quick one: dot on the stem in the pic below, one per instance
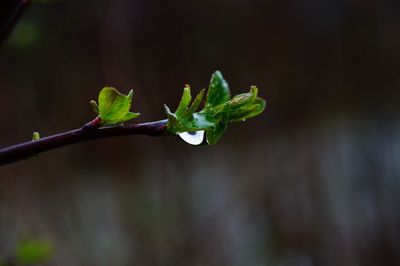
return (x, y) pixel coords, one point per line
(30, 148)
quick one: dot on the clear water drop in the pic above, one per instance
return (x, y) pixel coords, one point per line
(193, 138)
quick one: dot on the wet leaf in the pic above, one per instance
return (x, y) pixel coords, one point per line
(250, 110)
(218, 91)
(218, 112)
(113, 107)
(213, 135)
(185, 101)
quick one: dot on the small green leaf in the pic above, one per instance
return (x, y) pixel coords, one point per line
(168, 111)
(113, 107)
(185, 101)
(184, 119)
(95, 107)
(219, 112)
(218, 91)
(252, 109)
(196, 103)
(172, 119)
(244, 98)
(35, 136)
(113, 104)
(130, 116)
(34, 251)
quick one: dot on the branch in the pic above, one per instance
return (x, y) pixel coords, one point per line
(87, 132)
(113, 109)
(11, 12)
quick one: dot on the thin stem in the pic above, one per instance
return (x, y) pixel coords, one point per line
(30, 148)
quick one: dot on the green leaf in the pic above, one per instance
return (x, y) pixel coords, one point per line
(213, 135)
(196, 103)
(130, 116)
(218, 91)
(172, 123)
(168, 111)
(184, 119)
(35, 136)
(95, 107)
(34, 251)
(201, 121)
(252, 109)
(185, 101)
(112, 104)
(218, 112)
(113, 107)
(244, 98)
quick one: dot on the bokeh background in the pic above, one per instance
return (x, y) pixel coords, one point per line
(315, 180)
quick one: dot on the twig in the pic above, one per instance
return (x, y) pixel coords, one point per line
(27, 149)
(13, 12)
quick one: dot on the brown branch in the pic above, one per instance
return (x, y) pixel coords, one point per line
(30, 148)
(10, 12)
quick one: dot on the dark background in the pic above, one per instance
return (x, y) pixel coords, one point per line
(314, 180)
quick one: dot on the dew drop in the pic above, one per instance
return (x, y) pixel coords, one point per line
(193, 138)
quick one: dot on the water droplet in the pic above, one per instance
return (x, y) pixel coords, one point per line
(193, 138)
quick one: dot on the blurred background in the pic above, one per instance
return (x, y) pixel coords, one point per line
(315, 180)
